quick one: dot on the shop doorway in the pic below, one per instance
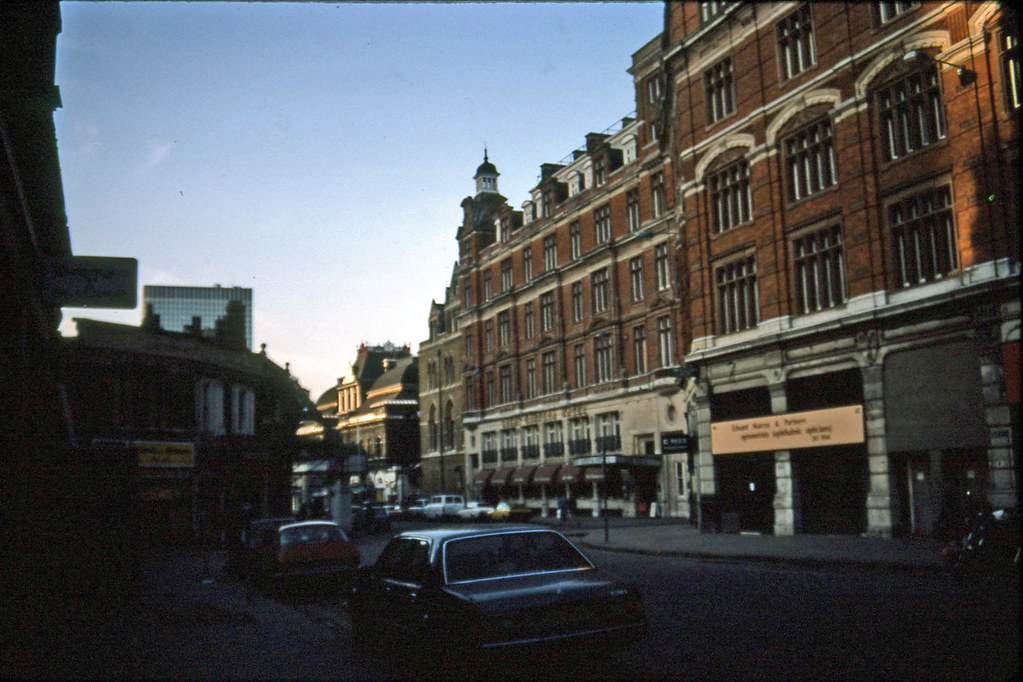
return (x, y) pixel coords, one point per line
(832, 486)
(747, 492)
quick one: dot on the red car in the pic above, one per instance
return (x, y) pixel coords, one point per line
(305, 552)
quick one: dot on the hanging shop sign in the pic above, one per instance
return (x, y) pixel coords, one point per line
(164, 454)
(791, 431)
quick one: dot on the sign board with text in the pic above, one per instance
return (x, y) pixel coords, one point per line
(96, 282)
(790, 431)
(165, 454)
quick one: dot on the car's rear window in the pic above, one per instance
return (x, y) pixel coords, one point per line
(506, 554)
(309, 534)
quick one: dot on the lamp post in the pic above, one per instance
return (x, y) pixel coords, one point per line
(603, 472)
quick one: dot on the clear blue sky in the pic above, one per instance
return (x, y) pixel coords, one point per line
(319, 152)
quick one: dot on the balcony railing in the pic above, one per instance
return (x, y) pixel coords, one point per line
(490, 456)
(581, 446)
(509, 454)
(530, 452)
(551, 450)
(609, 443)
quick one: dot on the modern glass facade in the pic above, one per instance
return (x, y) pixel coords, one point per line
(178, 307)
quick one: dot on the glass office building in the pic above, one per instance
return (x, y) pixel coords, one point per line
(179, 307)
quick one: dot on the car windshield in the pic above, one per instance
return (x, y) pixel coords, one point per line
(301, 535)
(505, 554)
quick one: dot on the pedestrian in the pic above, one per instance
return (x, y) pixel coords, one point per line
(562, 508)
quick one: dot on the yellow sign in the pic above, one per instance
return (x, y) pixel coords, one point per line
(157, 454)
(814, 429)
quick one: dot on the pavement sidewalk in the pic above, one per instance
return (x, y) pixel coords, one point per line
(676, 537)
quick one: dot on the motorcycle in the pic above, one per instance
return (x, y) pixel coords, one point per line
(990, 544)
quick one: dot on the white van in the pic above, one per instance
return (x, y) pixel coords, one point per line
(444, 506)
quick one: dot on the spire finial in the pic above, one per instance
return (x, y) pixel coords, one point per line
(485, 159)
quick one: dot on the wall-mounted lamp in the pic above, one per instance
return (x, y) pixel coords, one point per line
(966, 76)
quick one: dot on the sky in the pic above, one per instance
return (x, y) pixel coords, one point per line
(318, 153)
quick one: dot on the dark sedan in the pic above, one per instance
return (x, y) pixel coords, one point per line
(490, 588)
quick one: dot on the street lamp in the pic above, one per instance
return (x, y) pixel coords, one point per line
(603, 472)
(966, 76)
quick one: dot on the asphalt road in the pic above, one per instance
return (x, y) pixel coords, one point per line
(721, 620)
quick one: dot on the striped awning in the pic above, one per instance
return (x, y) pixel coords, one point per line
(500, 477)
(570, 474)
(545, 474)
(522, 475)
(482, 476)
(593, 474)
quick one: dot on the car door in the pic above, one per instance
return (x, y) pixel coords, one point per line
(402, 570)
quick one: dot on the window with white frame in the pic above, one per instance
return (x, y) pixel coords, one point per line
(609, 431)
(553, 442)
(575, 240)
(632, 209)
(577, 301)
(491, 389)
(639, 348)
(529, 320)
(243, 411)
(636, 278)
(550, 253)
(531, 378)
(923, 236)
(579, 436)
(665, 343)
(1009, 43)
(662, 260)
(738, 304)
(507, 280)
(470, 350)
(888, 10)
(603, 363)
(211, 407)
(712, 10)
(547, 312)
(505, 378)
(602, 225)
(810, 160)
(599, 284)
(820, 269)
(549, 364)
(579, 362)
(503, 328)
(657, 194)
(488, 291)
(531, 442)
(654, 89)
(527, 264)
(796, 49)
(599, 170)
(719, 90)
(731, 198)
(911, 113)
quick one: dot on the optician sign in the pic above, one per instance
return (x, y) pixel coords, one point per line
(791, 431)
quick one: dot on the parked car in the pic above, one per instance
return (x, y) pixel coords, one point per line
(490, 588)
(410, 508)
(283, 556)
(370, 518)
(505, 512)
(444, 506)
(475, 511)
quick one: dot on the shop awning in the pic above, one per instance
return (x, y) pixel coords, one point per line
(500, 477)
(482, 476)
(522, 475)
(593, 474)
(570, 474)
(545, 474)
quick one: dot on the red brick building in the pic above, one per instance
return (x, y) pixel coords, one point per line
(846, 175)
